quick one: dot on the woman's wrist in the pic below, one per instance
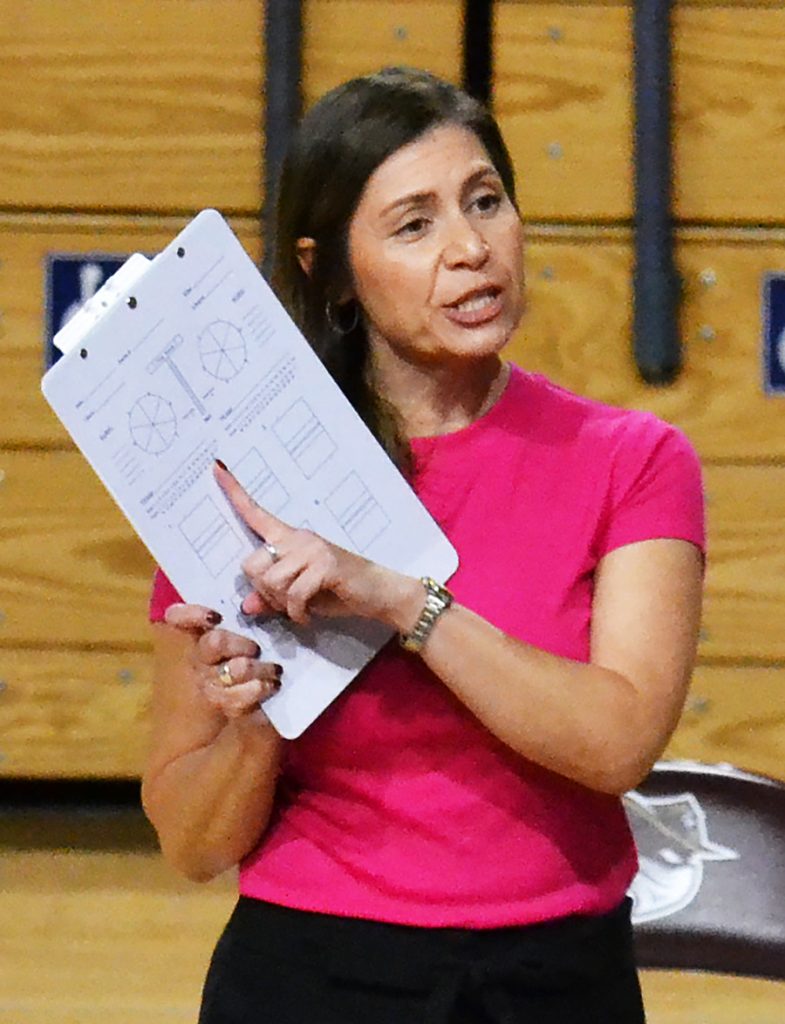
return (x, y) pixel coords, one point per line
(437, 600)
(403, 602)
(255, 734)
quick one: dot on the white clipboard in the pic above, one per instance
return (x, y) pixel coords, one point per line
(189, 357)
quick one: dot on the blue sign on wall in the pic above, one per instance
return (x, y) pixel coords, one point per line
(774, 334)
(71, 279)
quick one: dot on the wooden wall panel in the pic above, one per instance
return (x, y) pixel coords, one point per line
(25, 242)
(139, 106)
(746, 568)
(563, 96)
(577, 328)
(78, 712)
(72, 573)
(729, 95)
(344, 38)
(83, 714)
(578, 331)
(160, 110)
(73, 713)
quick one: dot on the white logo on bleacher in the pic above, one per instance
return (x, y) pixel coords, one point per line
(673, 845)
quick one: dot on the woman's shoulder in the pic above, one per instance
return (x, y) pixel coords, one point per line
(644, 469)
(590, 419)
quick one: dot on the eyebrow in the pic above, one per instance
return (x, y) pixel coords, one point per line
(420, 198)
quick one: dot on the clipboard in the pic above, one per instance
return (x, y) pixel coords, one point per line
(189, 357)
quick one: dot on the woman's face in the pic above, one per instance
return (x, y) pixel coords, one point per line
(436, 250)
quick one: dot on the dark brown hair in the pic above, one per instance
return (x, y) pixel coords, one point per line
(339, 143)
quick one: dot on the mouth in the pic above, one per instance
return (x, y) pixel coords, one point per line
(478, 298)
(476, 307)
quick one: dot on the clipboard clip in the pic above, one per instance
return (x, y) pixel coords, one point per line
(108, 295)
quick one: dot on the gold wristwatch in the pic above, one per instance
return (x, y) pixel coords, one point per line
(437, 600)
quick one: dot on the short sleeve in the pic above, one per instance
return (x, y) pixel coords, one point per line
(656, 488)
(162, 595)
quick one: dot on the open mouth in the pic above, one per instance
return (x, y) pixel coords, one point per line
(475, 305)
(477, 299)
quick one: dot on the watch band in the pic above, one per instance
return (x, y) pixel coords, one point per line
(437, 600)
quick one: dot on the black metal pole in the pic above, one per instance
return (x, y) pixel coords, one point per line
(478, 49)
(283, 99)
(656, 339)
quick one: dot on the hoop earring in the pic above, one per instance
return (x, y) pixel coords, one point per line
(335, 322)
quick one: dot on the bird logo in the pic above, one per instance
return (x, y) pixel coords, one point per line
(673, 845)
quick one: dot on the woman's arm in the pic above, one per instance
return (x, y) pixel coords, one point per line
(605, 723)
(602, 724)
(210, 779)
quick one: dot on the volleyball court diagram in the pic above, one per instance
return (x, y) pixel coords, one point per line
(218, 543)
(360, 515)
(304, 437)
(214, 539)
(307, 441)
(261, 483)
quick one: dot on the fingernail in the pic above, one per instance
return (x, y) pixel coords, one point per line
(278, 670)
(223, 465)
(258, 651)
(214, 618)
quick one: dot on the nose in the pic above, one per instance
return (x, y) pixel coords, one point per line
(465, 246)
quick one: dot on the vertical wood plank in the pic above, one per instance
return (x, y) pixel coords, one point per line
(563, 100)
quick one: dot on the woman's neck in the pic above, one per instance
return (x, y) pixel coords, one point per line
(437, 399)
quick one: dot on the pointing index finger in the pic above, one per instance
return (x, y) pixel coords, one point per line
(262, 523)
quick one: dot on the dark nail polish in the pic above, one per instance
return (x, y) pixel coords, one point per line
(223, 465)
(278, 670)
(214, 618)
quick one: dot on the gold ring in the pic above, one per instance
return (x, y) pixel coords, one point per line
(225, 675)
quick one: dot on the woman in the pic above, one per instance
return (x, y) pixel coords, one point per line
(447, 841)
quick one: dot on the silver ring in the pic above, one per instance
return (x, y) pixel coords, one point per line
(271, 550)
(225, 674)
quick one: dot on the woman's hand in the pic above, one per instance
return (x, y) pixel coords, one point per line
(227, 666)
(214, 758)
(296, 572)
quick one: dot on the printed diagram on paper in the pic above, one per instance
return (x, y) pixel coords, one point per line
(205, 363)
(152, 424)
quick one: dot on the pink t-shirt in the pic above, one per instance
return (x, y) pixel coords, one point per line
(397, 804)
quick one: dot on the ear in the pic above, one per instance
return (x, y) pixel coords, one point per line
(306, 251)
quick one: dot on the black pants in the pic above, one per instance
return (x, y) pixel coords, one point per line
(285, 966)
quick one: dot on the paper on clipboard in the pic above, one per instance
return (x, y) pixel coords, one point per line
(191, 357)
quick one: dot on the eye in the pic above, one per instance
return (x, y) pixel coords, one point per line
(487, 202)
(415, 226)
